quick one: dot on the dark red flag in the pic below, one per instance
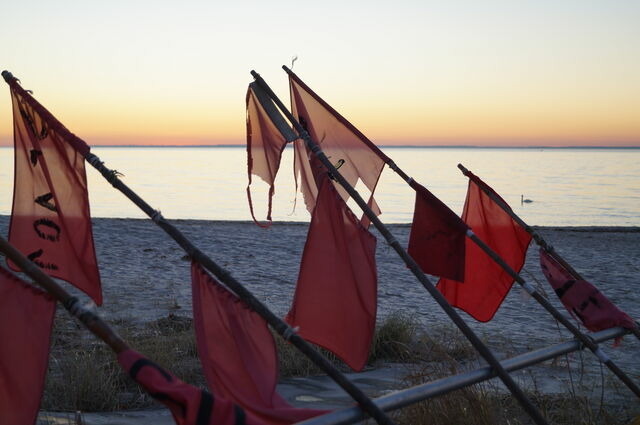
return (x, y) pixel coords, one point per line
(265, 143)
(437, 239)
(486, 283)
(335, 300)
(50, 220)
(26, 320)
(188, 405)
(582, 299)
(237, 352)
(356, 157)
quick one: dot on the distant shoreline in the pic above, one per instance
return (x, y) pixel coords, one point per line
(242, 146)
(581, 229)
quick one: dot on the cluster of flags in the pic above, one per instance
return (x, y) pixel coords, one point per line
(335, 300)
(335, 294)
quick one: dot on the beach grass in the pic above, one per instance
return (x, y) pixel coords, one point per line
(84, 376)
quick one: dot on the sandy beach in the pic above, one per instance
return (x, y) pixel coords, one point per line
(145, 276)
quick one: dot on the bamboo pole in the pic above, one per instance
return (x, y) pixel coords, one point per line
(91, 320)
(439, 387)
(586, 340)
(225, 276)
(482, 349)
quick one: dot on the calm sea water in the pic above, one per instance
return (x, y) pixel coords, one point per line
(575, 187)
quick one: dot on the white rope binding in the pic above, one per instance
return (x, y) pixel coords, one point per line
(157, 216)
(78, 310)
(529, 288)
(289, 332)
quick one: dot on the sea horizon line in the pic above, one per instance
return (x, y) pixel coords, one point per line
(470, 146)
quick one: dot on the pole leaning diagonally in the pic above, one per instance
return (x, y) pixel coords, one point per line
(281, 327)
(482, 349)
(535, 294)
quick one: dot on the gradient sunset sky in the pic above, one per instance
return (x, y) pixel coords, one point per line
(518, 73)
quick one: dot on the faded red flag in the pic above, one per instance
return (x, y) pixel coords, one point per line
(26, 320)
(437, 239)
(265, 142)
(50, 220)
(356, 157)
(188, 405)
(486, 284)
(336, 295)
(237, 352)
(583, 300)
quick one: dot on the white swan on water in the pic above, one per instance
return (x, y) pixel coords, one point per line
(525, 201)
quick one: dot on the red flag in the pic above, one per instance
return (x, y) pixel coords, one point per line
(357, 158)
(50, 220)
(336, 295)
(188, 405)
(237, 352)
(486, 284)
(437, 239)
(582, 299)
(26, 320)
(265, 143)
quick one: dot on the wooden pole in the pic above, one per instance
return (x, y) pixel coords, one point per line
(586, 340)
(91, 320)
(224, 276)
(482, 349)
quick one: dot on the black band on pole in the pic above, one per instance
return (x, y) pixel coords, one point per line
(585, 339)
(482, 349)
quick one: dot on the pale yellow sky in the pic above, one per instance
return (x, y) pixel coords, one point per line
(404, 72)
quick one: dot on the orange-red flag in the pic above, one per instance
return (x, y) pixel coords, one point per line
(486, 283)
(50, 220)
(237, 352)
(336, 295)
(356, 157)
(26, 320)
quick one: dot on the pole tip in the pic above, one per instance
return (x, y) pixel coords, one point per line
(7, 76)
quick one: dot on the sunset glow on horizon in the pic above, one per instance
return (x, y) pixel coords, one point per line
(494, 73)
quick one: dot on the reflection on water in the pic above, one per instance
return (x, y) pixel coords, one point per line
(567, 186)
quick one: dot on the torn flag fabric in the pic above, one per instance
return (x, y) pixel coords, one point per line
(355, 156)
(437, 238)
(188, 405)
(237, 352)
(582, 299)
(50, 220)
(26, 321)
(486, 283)
(265, 143)
(335, 300)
